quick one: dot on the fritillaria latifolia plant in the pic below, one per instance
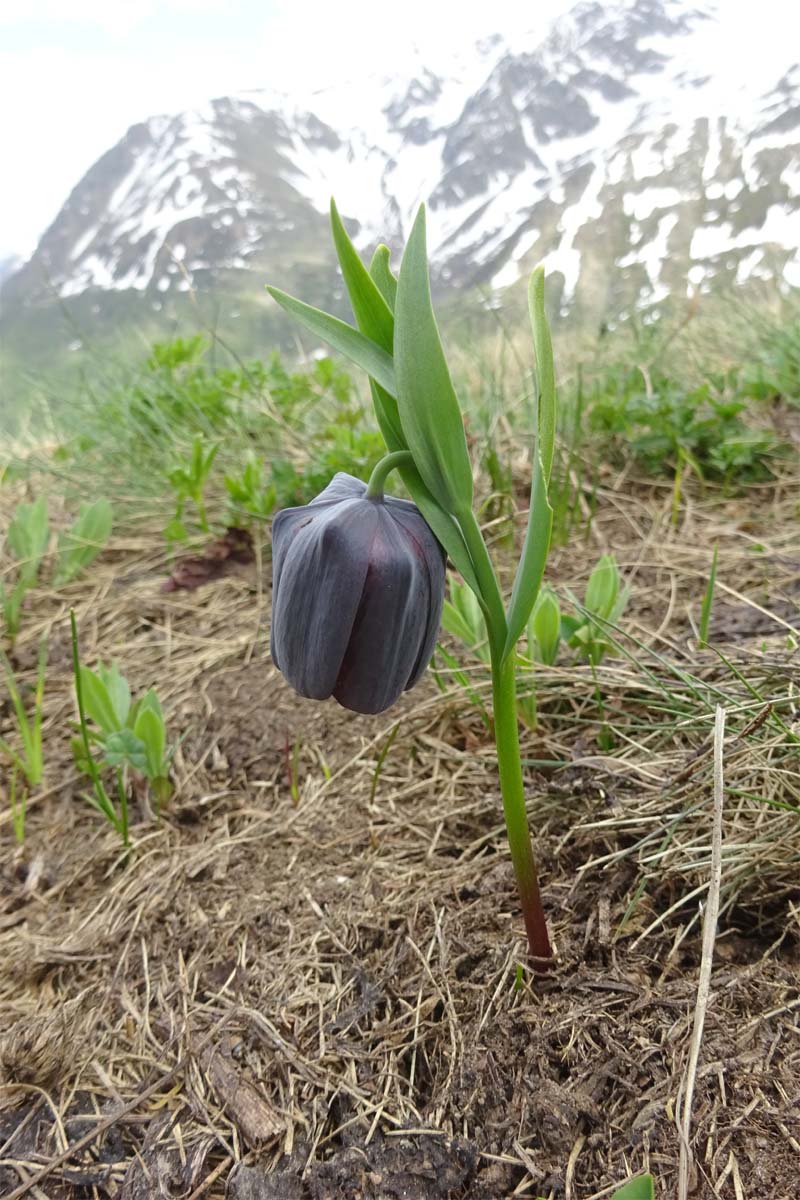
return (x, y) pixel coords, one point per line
(358, 576)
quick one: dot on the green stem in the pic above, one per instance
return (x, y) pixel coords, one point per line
(506, 732)
(399, 458)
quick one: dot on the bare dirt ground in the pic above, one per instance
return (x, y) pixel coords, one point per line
(308, 979)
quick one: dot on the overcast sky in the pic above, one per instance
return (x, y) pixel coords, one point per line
(75, 74)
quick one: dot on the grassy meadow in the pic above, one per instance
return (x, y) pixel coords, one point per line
(253, 946)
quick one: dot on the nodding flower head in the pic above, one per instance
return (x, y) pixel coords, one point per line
(358, 587)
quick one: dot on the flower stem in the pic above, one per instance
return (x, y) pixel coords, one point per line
(506, 731)
(399, 458)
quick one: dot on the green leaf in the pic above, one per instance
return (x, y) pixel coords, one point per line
(118, 689)
(381, 272)
(544, 627)
(372, 313)
(468, 605)
(360, 349)
(427, 402)
(28, 535)
(540, 519)
(545, 372)
(97, 702)
(445, 527)
(530, 570)
(83, 541)
(150, 728)
(640, 1188)
(388, 418)
(125, 746)
(150, 700)
(455, 624)
(603, 587)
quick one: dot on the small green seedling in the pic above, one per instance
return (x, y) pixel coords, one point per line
(99, 798)
(80, 545)
(188, 480)
(544, 628)
(605, 600)
(27, 539)
(121, 734)
(251, 496)
(463, 617)
(18, 808)
(29, 761)
(127, 733)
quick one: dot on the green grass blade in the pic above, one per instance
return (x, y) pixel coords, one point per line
(708, 599)
(429, 410)
(372, 313)
(354, 345)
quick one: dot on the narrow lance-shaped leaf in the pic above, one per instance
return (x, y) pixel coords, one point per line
(372, 313)
(360, 349)
(388, 418)
(151, 731)
(381, 272)
(98, 704)
(444, 526)
(540, 518)
(545, 372)
(429, 411)
(82, 542)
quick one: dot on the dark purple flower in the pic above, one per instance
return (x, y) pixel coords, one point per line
(357, 593)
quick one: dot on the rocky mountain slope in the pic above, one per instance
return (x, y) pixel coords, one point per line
(615, 150)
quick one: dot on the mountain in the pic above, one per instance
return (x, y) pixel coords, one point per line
(9, 265)
(623, 150)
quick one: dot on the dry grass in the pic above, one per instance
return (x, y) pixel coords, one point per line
(328, 997)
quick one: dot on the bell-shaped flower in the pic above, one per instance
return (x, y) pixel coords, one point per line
(358, 586)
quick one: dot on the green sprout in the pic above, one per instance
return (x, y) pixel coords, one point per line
(18, 808)
(29, 760)
(27, 539)
(80, 545)
(604, 603)
(396, 341)
(188, 480)
(124, 734)
(251, 496)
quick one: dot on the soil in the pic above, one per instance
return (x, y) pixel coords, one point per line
(308, 979)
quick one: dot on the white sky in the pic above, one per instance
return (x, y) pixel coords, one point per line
(75, 74)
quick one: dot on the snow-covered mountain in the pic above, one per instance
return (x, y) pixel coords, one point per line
(628, 150)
